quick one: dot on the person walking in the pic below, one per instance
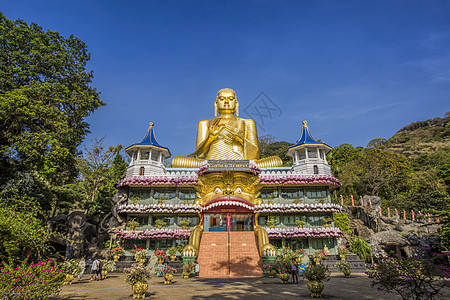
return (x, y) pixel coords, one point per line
(294, 271)
(94, 269)
(82, 265)
(100, 267)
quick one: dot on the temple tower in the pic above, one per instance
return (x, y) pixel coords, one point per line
(309, 155)
(147, 156)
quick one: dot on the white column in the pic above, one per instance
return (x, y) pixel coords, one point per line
(150, 155)
(296, 157)
(138, 155)
(160, 157)
(318, 153)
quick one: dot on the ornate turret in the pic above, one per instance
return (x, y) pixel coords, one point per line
(309, 155)
(147, 156)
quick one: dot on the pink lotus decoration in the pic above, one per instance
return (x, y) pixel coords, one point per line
(304, 232)
(160, 208)
(158, 180)
(154, 233)
(298, 179)
(300, 207)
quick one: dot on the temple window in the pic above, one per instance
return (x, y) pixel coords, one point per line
(130, 244)
(155, 155)
(145, 155)
(312, 153)
(140, 193)
(316, 193)
(193, 221)
(170, 220)
(301, 154)
(141, 171)
(269, 193)
(165, 193)
(292, 193)
(316, 169)
(187, 194)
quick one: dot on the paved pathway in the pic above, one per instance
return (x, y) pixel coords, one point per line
(114, 287)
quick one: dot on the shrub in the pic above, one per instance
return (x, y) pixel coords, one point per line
(139, 253)
(137, 273)
(282, 265)
(172, 251)
(184, 222)
(109, 265)
(40, 280)
(316, 273)
(341, 221)
(342, 265)
(160, 254)
(117, 251)
(411, 277)
(188, 267)
(361, 248)
(160, 223)
(71, 266)
(169, 270)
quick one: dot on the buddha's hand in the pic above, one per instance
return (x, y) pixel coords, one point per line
(215, 128)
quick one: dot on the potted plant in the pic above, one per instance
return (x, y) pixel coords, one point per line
(172, 251)
(298, 255)
(188, 268)
(283, 267)
(117, 253)
(161, 255)
(269, 269)
(271, 222)
(342, 251)
(316, 275)
(160, 223)
(133, 224)
(299, 223)
(108, 267)
(344, 267)
(140, 255)
(71, 268)
(184, 223)
(168, 274)
(137, 277)
(318, 256)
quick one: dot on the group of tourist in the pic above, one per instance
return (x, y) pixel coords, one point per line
(96, 269)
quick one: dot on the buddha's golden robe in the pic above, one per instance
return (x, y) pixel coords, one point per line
(226, 138)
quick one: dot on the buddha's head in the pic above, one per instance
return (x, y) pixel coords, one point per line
(226, 102)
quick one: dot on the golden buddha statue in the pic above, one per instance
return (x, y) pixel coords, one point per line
(226, 137)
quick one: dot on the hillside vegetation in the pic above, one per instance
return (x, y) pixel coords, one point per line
(410, 171)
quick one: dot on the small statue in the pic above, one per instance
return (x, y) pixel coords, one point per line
(326, 251)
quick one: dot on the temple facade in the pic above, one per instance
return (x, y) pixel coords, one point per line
(226, 212)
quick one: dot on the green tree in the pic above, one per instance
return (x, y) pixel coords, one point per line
(270, 147)
(100, 168)
(45, 95)
(22, 232)
(342, 221)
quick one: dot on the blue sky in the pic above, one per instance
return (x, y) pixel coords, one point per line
(356, 70)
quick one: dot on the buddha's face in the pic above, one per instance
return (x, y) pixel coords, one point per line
(226, 101)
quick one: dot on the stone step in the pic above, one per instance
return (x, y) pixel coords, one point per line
(237, 257)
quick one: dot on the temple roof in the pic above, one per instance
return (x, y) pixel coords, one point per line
(307, 138)
(149, 139)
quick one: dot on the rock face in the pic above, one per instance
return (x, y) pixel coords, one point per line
(81, 236)
(393, 234)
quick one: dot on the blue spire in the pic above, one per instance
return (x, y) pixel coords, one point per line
(307, 138)
(150, 139)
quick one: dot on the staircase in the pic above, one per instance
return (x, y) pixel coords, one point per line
(238, 259)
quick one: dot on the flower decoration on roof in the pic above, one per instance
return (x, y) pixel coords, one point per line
(304, 232)
(159, 208)
(154, 234)
(300, 207)
(298, 179)
(158, 180)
